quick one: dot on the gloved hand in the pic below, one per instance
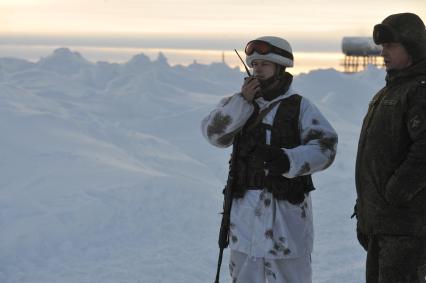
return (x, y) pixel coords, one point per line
(293, 193)
(296, 196)
(276, 161)
(250, 88)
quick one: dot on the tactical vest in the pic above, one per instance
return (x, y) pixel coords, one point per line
(285, 133)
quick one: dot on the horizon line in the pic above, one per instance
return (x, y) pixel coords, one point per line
(188, 41)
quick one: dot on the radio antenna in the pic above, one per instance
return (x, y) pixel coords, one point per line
(247, 70)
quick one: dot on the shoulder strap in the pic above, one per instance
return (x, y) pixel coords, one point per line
(263, 113)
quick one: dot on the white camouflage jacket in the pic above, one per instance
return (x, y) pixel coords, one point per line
(262, 226)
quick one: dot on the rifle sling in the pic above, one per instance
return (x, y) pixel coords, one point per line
(262, 113)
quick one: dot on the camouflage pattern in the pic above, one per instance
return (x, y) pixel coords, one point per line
(246, 269)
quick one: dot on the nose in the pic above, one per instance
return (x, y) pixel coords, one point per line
(256, 69)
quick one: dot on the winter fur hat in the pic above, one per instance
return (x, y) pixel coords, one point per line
(405, 28)
(283, 60)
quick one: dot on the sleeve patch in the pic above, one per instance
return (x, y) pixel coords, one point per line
(416, 122)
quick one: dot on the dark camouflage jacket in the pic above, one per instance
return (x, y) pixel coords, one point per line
(391, 160)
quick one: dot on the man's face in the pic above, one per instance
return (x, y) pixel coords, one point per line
(395, 56)
(263, 69)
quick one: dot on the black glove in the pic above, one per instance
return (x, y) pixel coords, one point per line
(276, 161)
(296, 197)
(285, 189)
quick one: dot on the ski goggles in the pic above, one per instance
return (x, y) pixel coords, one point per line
(263, 48)
(384, 34)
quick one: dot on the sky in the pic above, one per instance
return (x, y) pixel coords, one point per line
(190, 30)
(198, 24)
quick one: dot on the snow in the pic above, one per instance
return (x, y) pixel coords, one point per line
(105, 176)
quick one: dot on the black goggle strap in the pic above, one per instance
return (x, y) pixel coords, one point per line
(272, 49)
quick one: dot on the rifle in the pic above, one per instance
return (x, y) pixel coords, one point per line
(227, 204)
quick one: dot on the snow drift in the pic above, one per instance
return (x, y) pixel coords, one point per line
(105, 176)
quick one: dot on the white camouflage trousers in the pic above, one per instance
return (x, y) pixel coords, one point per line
(245, 269)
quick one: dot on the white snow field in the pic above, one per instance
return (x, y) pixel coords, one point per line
(105, 176)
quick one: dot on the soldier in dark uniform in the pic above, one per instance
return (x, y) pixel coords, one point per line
(391, 159)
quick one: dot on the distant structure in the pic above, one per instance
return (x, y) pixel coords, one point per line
(360, 52)
(223, 57)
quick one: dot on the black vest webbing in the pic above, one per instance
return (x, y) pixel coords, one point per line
(285, 133)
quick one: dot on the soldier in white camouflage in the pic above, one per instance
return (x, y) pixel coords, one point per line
(283, 139)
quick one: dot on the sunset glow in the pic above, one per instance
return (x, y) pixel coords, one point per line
(189, 30)
(201, 17)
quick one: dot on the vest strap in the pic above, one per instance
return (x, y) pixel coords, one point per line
(263, 113)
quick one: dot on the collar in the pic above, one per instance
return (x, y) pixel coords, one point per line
(263, 103)
(397, 76)
(277, 86)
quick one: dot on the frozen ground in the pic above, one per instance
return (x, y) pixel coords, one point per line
(105, 177)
